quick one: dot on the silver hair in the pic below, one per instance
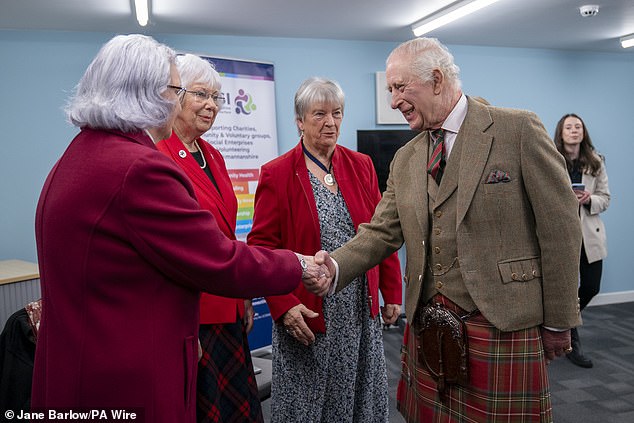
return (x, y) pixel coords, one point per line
(121, 89)
(196, 70)
(317, 90)
(429, 54)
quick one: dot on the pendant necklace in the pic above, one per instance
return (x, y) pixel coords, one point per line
(328, 179)
(204, 165)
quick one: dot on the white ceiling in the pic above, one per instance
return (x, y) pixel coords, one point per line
(551, 24)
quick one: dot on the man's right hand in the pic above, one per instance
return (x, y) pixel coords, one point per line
(319, 273)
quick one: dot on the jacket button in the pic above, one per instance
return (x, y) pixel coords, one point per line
(438, 213)
(437, 250)
(437, 231)
(597, 229)
(514, 276)
(438, 266)
(439, 285)
(420, 278)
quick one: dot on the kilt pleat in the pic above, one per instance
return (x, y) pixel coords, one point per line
(226, 387)
(508, 380)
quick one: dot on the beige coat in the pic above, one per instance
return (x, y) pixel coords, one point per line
(503, 229)
(592, 228)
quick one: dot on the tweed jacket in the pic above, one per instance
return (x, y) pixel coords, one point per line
(592, 227)
(518, 241)
(124, 251)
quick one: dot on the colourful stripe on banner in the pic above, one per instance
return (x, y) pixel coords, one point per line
(241, 187)
(244, 174)
(232, 68)
(235, 75)
(244, 226)
(246, 201)
(245, 214)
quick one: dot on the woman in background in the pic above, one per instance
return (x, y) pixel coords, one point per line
(227, 390)
(328, 359)
(585, 167)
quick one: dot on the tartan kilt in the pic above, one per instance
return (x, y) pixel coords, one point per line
(226, 387)
(508, 380)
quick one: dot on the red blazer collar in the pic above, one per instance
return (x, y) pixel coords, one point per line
(219, 201)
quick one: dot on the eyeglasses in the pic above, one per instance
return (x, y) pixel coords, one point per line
(179, 90)
(202, 96)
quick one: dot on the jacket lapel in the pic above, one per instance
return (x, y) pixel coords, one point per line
(418, 170)
(224, 193)
(301, 173)
(208, 196)
(477, 145)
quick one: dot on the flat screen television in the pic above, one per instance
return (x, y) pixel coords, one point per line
(380, 145)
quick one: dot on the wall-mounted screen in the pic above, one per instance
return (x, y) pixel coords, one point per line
(380, 145)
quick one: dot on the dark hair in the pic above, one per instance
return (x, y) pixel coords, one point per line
(589, 160)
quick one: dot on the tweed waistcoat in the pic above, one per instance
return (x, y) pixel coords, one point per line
(443, 271)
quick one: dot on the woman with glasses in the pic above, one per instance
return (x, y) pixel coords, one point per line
(124, 250)
(227, 390)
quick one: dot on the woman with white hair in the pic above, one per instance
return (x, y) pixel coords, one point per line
(227, 390)
(328, 358)
(124, 250)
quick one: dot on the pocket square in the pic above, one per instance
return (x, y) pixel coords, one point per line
(497, 176)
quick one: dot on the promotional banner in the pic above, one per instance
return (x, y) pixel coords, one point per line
(245, 133)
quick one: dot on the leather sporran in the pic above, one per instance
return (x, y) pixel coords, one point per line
(442, 346)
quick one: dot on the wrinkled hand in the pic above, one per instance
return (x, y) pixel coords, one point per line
(320, 273)
(247, 319)
(583, 197)
(556, 344)
(295, 325)
(390, 313)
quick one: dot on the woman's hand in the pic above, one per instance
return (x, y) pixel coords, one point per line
(390, 313)
(247, 319)
(582, 196)
(293, 321)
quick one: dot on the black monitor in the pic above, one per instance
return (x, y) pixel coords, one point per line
(380, 145)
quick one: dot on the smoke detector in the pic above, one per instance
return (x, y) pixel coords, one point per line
(589, 10)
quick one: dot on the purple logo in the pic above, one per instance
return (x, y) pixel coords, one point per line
(244, 103)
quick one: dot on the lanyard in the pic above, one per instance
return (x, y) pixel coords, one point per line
(328, 179)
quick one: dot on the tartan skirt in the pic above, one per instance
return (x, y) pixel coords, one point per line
(508, 380)
(226, 387)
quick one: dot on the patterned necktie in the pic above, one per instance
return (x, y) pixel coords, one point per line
(436, 163)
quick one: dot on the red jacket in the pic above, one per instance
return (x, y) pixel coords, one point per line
(221, 203)
(124, 251)
(286, 217)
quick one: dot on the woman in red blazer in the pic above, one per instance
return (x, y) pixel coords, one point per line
(226, 386)
(124, 250)
(328, 359)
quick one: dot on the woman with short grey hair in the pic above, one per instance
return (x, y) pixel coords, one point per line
(328, 358)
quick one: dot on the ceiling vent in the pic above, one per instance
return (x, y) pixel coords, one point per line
(589, 10)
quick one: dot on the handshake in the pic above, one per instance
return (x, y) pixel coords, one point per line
(318, 272)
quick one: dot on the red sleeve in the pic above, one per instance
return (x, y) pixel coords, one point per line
(176, 236)
(267, 232)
